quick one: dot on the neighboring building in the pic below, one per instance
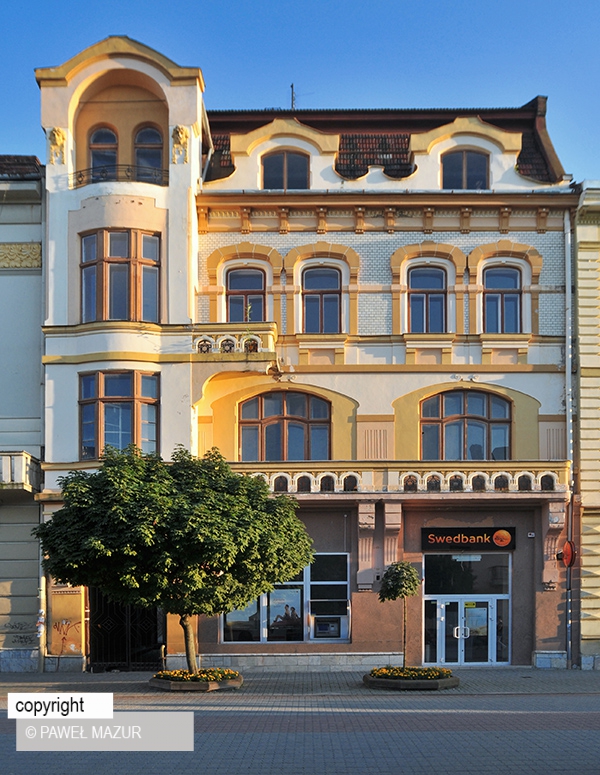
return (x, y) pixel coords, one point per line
(367, 308)
(21, 304)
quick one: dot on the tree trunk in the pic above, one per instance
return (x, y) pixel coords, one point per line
(185, 621)
(404, 634)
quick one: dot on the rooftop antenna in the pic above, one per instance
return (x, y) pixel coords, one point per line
(293, 97)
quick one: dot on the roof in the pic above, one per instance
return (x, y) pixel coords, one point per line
(382, 136)
(20, 168)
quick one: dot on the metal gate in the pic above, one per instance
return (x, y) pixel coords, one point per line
(125, 637)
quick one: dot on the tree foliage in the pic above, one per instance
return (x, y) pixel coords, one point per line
(400, 580)
(191, 537)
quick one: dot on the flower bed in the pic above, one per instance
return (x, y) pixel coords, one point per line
(411, 678)
(208, 680)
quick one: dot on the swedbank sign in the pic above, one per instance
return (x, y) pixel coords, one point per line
(453, 539)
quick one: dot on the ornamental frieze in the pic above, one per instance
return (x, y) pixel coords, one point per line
(20, 255)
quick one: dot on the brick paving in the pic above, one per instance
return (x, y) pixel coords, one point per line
(513, 720)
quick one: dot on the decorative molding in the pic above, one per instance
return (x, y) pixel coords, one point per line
(504, 219)
(181, 137)
(542, 219)
(58, 138)
(20, 255)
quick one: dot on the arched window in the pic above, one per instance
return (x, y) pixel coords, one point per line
(321, 291)
(465, 170)
(285, 425)
(427, 300)
(103, 154)
(285, 169)
(502, 300)
(245, 296)
(465, 425)
(148, 154)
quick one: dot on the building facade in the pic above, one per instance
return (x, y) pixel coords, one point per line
(366, 308)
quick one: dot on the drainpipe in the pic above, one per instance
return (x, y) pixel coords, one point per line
(569, 423)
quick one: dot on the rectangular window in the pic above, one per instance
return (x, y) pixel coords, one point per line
(117, 409)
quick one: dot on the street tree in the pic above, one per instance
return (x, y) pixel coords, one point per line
(190, 537)
(400, 580)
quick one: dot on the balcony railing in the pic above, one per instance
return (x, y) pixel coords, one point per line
(235, 340)
(19, 471)
(524, 477)
(120, 172)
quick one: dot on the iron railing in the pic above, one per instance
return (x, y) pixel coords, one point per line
(120, 172)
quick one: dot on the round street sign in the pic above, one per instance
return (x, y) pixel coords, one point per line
(568, 554)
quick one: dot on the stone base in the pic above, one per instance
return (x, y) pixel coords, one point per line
(409, 685)
(64, 664)
(549, 659)
(19, 660)
(315, 662)
(195, 686)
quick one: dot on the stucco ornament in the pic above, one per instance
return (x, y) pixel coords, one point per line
(58, 138)
(20, 255)
(181, 138)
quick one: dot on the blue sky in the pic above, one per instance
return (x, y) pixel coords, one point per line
(402, 54)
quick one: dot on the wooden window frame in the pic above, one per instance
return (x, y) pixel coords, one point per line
(321, 296)
(427, 293)
(246, 293)
(503, 293)
(150, 146)
(465, 152)
(96, 146)
(284, 181)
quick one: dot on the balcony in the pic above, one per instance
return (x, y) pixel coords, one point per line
(235, 341)
(119, 173)
(416, 479)
(20, 471)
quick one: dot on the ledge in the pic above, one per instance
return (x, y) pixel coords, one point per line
(408, 685)
(195, 686)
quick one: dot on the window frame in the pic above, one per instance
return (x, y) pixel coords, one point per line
(100, 400)
(502, 294)
(427, 293)
(463, 420)
(465, 168)
(246, 294)
(104, 171)
(262, 422)
(321, 294)
(100, 283)
(141, 146)
(284, 153)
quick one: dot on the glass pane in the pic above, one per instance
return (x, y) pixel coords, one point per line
(150, 294)
(118, 244)
(236, 309)
(149, 386)
(117, 425)
(255, 309)
(477, 171)
(88, 431)
(150, 246)
(500, 443)
(492, 313)
(273, 171)
(417, 313)
(328, 591)
(87, 385)
(476, 620)
(295, 404)
(502, 630)
(431, 407)
(500, 408)
(453, 404)
(319, 409)
(450, 615)
(426, 279)
(321, 280)
(452, 167)
(103, 164)
(148, 429)
(329, 567)
(437, 314)
(296, 442)
(88, 248)
(118, 292)
(103, 136)
(250, 409)
(272, 404)
(501, 279)
(88, 294)
(117, 385)
(149, 136)
(430, 442)
(512, 323)
(285, 614)
(476, 441)
(331, 313)
(450, 574)
(453, 441)
(312, 315)
(243, 624)
(273, 449)
(147, 160)
(249, 443)
(319, 442)
(430, 631)
(297, 170)
(245, 280)
(476, 404)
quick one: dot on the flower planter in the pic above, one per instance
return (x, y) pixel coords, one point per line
(411, 685)
(196, 686)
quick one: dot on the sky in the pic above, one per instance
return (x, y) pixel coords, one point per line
(337, 53)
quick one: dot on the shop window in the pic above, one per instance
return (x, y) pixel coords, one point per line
(502, 301)
(117, 409)
(245, 296)
(321, 295)
(148, 154)
(465, 425)
(120, 276)
(465, 170)
(313, 606)
(286, 170)
(285, 425)
(427, 300)
(103, 154)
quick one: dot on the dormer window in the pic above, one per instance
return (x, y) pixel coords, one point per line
(465, 170)
(285, 170)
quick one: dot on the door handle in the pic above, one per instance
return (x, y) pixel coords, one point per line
(467, 632)
(456, 632)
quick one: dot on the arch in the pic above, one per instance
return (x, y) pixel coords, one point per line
(324, 250)
(508, 249)
(427, 249)
(473, 126)
(245, 144)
